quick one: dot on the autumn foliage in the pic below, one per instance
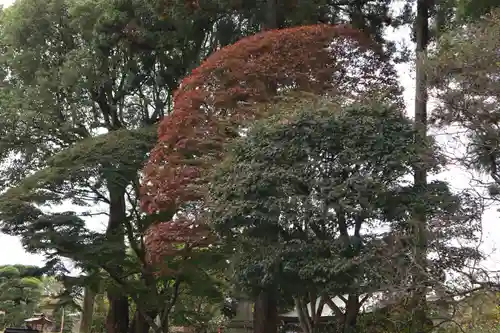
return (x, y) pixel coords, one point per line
(237, 84)
(175, 238)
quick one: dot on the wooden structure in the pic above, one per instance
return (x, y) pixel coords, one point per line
(39, 322)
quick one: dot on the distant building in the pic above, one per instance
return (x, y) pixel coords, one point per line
(40, 323)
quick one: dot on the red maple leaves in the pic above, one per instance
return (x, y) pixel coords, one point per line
(237, 84)
(174, 238)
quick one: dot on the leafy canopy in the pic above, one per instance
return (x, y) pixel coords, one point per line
(302, 184)
(315, 200)
(20, 294)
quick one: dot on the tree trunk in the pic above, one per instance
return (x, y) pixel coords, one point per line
(419, 306)
(351, 314)
(87, 310)
(140, 323)
(271, 15)
(117, 320)
(165, 325)
(304, 319)
(266, 313)
(266, 306)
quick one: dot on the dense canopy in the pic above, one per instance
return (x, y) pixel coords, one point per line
(239, 82)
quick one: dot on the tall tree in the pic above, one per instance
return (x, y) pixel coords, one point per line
(298, 193)
(81, 97)
(463, 70)
(419, 227)
(308, 206)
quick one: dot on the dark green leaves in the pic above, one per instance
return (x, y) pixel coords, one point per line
(297, 184)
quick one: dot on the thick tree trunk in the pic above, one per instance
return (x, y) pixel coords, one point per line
(419, 304)
(87, 310)
(266, 313)
(347, 320)
(117, 320)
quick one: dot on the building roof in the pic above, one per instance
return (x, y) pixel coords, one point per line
(37, 320)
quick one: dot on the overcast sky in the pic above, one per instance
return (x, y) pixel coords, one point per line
(11, 251)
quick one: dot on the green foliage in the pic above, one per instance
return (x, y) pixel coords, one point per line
(78, 112)
(293, 182)
(198, 306)
(476, 313)
(315, 200)
(471, 10)
(464, 73)
(20, 294)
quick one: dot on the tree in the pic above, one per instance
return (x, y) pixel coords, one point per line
(419, 228)
(200, 308)
(237, 84)
(432, 19)
(228, 89)
(78, 118)
(297, 191)
(473, 10)
(21, 292)
(247, 18)
(304, 190)
(478, 312)
(465, 86)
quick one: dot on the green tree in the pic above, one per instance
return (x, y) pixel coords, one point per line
(81, 98)
(21, 293)
(192, 137)
(465, 84)
(303, 193)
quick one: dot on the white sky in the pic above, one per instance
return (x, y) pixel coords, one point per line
(11, 251)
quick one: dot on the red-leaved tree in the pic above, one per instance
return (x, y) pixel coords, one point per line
(236, 84)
